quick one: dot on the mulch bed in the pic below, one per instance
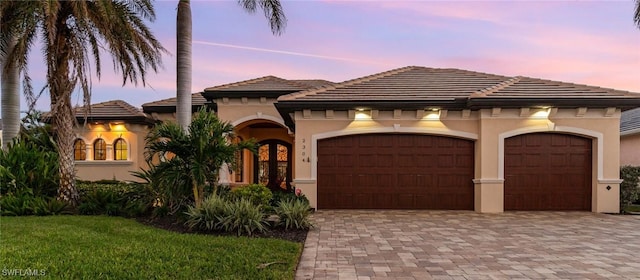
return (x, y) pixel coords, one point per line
(174, 224)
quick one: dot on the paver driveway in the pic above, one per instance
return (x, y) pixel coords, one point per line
(355, 244)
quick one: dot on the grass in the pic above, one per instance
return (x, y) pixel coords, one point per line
(99, 247)
(632, 208)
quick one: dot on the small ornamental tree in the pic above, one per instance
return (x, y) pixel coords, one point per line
(196, 155)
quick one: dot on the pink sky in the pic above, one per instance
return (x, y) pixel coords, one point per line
(587, 42)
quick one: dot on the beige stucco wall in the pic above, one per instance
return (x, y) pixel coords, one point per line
(630, 149)
(112, 169)
(488, 127)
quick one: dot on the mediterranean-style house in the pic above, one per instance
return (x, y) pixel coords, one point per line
(409, 138)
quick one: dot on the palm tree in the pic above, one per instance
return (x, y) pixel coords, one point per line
(636, 16)
(73, 35)
(272, 11)
(195, 156)
(10, 96)
(10, 100)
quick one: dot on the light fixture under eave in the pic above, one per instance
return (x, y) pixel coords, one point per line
(362, 115)
(431, 114)
(541, 113)
(117, 126)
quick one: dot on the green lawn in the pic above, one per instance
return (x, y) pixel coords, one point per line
(632, 208)
(99, 247)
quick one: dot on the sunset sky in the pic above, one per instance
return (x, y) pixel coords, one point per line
(587, 42)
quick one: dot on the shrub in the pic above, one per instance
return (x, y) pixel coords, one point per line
(31, 160)
(294, 214)
(49, 206)
(209, 215)
(282, 196)
(629, 187)
(16, 204)
(26, 166)
(255, 193)
(244, 217)
(114, 199)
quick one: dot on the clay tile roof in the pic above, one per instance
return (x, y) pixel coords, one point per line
(407, 83)
(315, 83)
(532, 87)
(196, 100)
(630, 122)
(110, 109)
(267, 83)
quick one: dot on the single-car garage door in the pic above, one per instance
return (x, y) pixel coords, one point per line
(395, 171)
(546, 171)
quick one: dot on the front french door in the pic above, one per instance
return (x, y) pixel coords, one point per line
(273, 164)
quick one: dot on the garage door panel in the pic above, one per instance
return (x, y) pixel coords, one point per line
(398, 171)
(545, 171)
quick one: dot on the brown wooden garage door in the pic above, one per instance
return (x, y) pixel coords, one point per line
(546, 171)
(395, 171)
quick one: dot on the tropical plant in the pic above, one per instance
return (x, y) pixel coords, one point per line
(272, 11)
(73, 34)
(115, 199)
(629, 188)
(294, 214)
(196, 154)
(243, 217)
(209, 215)
(30, 163)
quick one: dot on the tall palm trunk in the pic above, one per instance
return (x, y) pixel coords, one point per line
(61, 86)
(10, 100)
(183, 56)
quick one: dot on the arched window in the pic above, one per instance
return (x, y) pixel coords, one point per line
(99, 149)
(79, 150)
(120, 149)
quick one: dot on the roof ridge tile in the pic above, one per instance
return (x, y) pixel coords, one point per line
(367, 78)
(495, 88)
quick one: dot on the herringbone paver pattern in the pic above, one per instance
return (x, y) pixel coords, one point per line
(348, 244)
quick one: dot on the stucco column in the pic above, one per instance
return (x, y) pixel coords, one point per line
(488, 185)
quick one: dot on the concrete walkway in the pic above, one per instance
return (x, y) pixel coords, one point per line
(466, 245)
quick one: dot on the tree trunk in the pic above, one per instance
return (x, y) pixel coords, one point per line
(60, 88)
(63, 120)
(10, 100)
(183, 56)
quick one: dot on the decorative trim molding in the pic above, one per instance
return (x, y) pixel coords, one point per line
(304, 181)
(609, 181)
(488, 181)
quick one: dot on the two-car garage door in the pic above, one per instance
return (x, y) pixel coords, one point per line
(395, 171)
(543, 171)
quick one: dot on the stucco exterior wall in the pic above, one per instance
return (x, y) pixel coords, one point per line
(108, 169)
(630, 149)
(243, 112)
(488, 127)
